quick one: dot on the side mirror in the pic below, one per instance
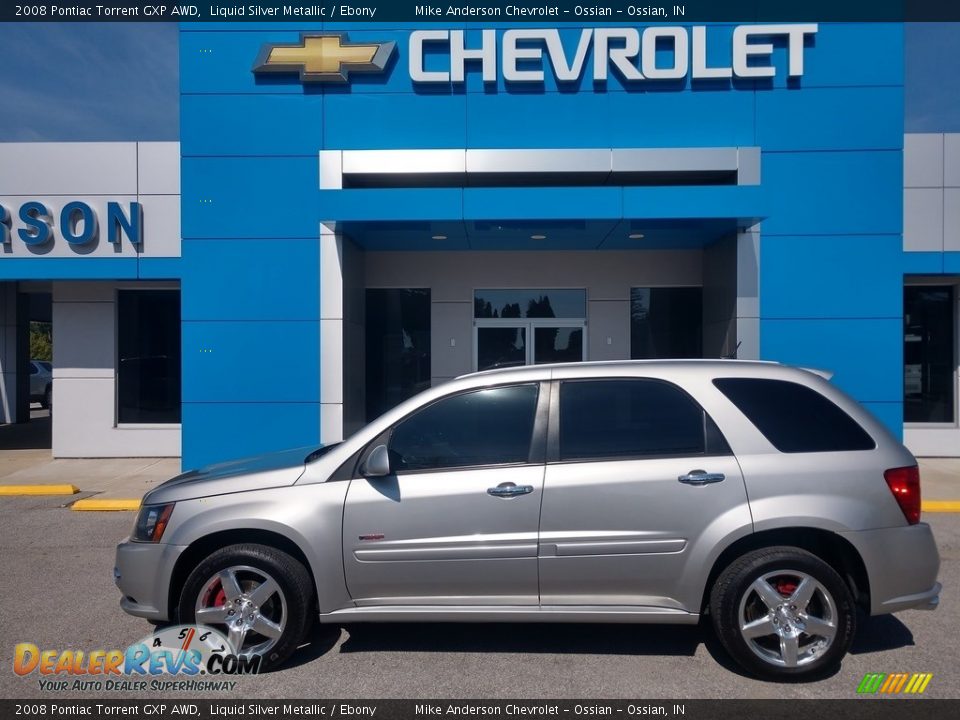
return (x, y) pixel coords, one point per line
(378, 463)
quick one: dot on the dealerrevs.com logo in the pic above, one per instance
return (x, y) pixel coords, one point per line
(171, 658)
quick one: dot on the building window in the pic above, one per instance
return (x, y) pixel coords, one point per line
(397, 347)
(528, 326)
(148, 363)
(666, 322)
(551, 303)
(929, 359)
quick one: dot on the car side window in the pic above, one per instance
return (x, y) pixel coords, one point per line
(492, 426)
(794, 417)
(621, 418)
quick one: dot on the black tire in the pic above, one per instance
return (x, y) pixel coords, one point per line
(831, 599)
(288, 572)
(47, 401)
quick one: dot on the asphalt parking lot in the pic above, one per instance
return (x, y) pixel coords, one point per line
(57, 592)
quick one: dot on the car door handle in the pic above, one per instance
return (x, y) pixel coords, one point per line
(701, 477)
(509, 489)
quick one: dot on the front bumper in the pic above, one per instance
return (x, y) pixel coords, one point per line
(142, 572)
(902, 565)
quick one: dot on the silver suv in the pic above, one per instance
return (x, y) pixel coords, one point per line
(638, 492)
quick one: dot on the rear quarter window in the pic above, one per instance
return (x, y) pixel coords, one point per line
(793, 417)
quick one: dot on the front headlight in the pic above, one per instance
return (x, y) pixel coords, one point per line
(151, 522)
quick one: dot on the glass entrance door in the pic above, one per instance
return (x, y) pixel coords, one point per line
(557, 343)
(527, 326)
(511, 343)
(500, 346)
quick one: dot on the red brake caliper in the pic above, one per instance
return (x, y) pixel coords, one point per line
(219, 597)
(784, 587)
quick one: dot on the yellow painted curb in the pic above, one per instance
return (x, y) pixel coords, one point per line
(39, 489)
(106, 504)
(940, 505)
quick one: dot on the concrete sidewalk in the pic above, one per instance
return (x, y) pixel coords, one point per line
(940, 479)
(130, 478)
(104, 478)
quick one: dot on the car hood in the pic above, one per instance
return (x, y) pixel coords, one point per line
(278, 469)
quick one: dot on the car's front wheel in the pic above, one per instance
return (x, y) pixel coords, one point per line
(783, 613)
(259, 597)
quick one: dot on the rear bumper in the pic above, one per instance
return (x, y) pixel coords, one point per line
(902, 565)
(929, 600)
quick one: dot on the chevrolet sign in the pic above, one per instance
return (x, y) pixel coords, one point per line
(631, 51)
(521, 55)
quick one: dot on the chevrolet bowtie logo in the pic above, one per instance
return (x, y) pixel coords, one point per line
(323, 57)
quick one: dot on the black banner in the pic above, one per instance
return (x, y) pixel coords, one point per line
(480, 11)
(167, 709)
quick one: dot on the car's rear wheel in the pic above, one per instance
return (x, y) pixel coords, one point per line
(259, 597)
(783, 613)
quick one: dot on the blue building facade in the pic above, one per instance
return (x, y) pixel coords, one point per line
(781, 190)
(829, 199)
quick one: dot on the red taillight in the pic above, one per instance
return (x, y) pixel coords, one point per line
(904, 483)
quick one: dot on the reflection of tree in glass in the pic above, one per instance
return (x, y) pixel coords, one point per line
(482, 308)
(511, 310)
(540, 307)
(639, 303)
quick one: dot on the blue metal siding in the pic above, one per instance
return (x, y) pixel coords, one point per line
(830, 198)
(217, 431)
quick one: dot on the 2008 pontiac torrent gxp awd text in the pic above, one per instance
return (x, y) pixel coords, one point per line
(630, 492)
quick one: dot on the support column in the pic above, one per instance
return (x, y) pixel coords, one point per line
(731, 307)
(331, 335)
(748, 293)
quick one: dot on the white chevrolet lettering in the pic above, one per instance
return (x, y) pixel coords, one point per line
(744, 50)
(417, 72)
(796, 35)
(513, 52)
(678, 36)
(630, 52)
(486, 54)
(700, 69)
(619, 56)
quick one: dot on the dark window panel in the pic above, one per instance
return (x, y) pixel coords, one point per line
(929, 362)
(629, 418)
(558, 344)
(397, 347)
(666, 323)
(148, 362)
(793, 417)
(499, 347)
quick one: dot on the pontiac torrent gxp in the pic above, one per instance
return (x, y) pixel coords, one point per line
(632, 492)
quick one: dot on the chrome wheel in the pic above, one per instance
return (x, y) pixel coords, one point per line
(787, 618)
(248, 603)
